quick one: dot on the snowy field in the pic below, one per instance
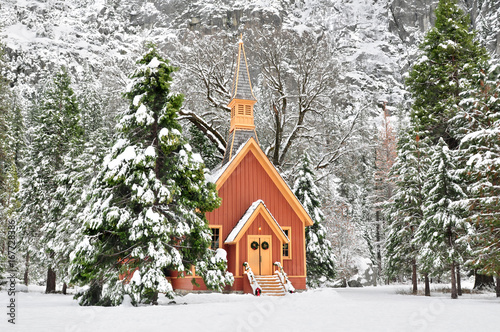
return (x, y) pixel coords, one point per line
(352, 309)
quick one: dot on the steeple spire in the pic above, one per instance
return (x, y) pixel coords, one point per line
(241, 105)
(242, 97)
(242, 87)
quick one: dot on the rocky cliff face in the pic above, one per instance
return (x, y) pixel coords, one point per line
(406, 18)
(412, 17)
(374, 40)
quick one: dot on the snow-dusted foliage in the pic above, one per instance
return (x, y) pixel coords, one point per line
(214, 272)
(347, 241)
(80, 166)
(450, 55)
(206, 148)
(145, 211)
(488, 24)
(319, 70)
(8, 172)
(55, 134)
(405, 211)
(5, 110)
(441, 224)
(478, 127)
(320, 258)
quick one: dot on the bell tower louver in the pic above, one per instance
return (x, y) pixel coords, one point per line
(241, 105)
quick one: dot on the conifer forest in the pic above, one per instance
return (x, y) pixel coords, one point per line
(383, 117)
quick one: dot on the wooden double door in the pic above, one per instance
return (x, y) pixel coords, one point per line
(260, 257)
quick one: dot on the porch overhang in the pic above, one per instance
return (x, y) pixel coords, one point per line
(257, 208)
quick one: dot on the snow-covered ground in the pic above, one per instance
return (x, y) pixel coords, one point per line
(352, 309)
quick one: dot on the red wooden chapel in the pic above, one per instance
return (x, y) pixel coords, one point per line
(260, 221)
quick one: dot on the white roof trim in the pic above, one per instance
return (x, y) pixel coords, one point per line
(246, 217)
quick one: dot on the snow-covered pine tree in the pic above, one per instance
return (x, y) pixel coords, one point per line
(442, 225)
(55, 130)
(405, 211)
(99, 107)
(478, 128)
(72, 187)
(146, 210)
(81, 164)
(4, 129)
(5, 165)
(450, 55)
(16, 144)
(5, 157)
(320, 258)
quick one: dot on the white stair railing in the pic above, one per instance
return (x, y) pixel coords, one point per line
(284, 278)
(257, 290)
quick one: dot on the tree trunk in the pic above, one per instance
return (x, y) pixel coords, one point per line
(459, 281)
(427, 285)
(26, 271)
(453, 282)
(497, 288)
(483, 281)
(51, 281)
(379, 251)
(279, 133)
(64, 288)
(414, 276)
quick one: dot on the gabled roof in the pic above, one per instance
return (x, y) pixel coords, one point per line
(257, 208)
(242, 87)
(220, 176)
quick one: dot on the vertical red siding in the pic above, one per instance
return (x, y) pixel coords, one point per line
(248, 183)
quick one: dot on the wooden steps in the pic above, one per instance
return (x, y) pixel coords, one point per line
(270, 285)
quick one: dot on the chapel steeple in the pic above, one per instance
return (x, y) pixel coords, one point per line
(242, 101)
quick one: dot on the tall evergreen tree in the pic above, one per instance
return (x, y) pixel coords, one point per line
(5, 156)
(146, 210)
(405, 211)
(320, 258)
(5, 165)
(56, 129)
(478, 128)
(5, 119)
(450, 55)
(441, 226)
(81, 164)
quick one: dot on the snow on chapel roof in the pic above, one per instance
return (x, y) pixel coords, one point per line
(243, 224)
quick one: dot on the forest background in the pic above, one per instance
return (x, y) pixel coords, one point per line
(331, 77)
